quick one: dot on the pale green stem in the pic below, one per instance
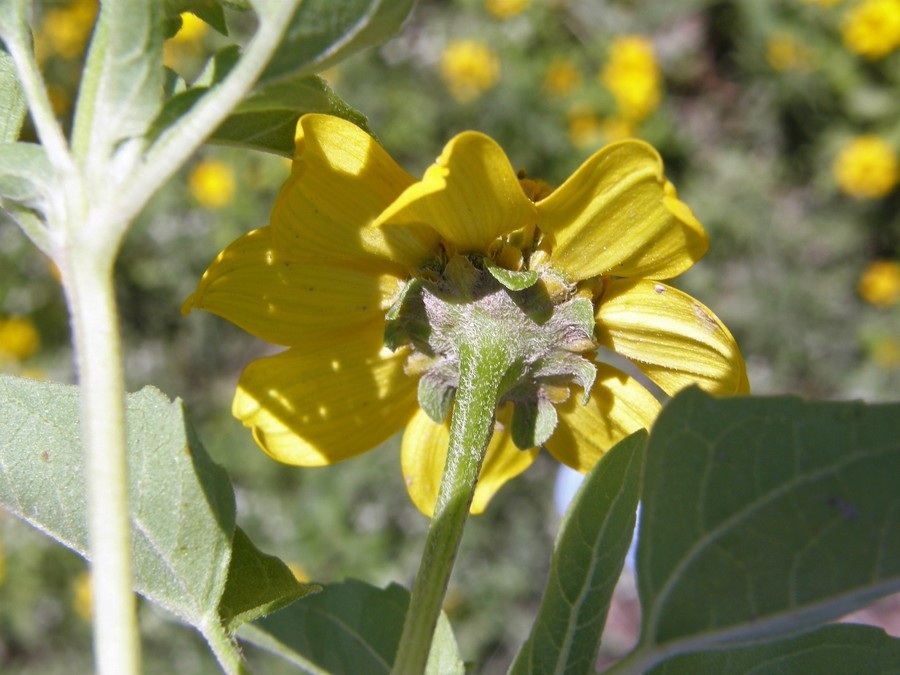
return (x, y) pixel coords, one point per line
(480, 374)
(89, 288)
(225, 649)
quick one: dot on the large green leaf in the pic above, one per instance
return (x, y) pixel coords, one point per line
(182, 504)
(267, 119)
(122, 83)
(860, 650)
(25, 179)
(323, 32)
(763, 516)
(12, 100)
(587, 560)
(349, 628)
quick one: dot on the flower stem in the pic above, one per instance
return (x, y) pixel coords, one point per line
(480, 374)
(92, 307)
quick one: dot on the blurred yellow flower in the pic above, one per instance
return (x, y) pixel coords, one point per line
(82, 600)
(822, 3)
(469, 68)
(585, 128)
(867, 168)
(64, 31)
(632, 76)
(562, 76)
(886, 354)
(19, 338)
(187, 42)
(358, 274)
(784, 52)
(872, 28)
(504, 9)
(880, 283)
(212, 183)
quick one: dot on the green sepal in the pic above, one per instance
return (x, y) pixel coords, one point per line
(566, 364)
(514, 281)
(533, 422)
(435, 395)
(577, 313)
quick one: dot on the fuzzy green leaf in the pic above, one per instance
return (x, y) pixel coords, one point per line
(514, 281)
(258, 584)
(435, 396)
(122, 82)
(762, 516)
(324, 32)
(182, 504)
(12, 100)
(268, 119)
(533, 422)
(861, 650)
(348, 628)
(587, 560)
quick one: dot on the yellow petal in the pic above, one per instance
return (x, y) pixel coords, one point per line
(617, 214)
(670, 336)
(288, 302)
(313, 407)
(619, 405)
(424, 452)
(470, 196)
(340, 182)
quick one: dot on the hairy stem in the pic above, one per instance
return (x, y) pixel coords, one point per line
(471, 427)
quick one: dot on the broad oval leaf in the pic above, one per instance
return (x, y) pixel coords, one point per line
(12, 100)
(590, 550)
(764, 515)
(861, 650)
(349, 628)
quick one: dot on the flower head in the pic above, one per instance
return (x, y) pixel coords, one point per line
(880, 283)
(872, 28)
(212, 183)
(867, 168)
(562, 76)
(505, 9)
(469, 68)
(632, 76)
(19, 338)
(374, 281)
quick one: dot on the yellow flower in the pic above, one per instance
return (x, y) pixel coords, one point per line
(82, 595)
(880, 283)
(505, 9)
(784, 53)
(187, 42)
(212, 183)
(562, 77)
(872, 28)
(19, 339)
(65, 30)
(867, 168)
(359, 254)
(632, 76)
(469, 69)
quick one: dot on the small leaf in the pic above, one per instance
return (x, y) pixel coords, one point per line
(587, 560)
(847, 648)
(533, 422)
(323, 32)
(24, 174)
(258, 584)
(435, 396)
(347, 629)
(514, 281)
(12, 100)
(761, 515)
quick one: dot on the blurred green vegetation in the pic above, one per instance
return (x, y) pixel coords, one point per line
(750, 102)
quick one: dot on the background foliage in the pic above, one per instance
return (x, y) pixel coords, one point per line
(751, 103)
